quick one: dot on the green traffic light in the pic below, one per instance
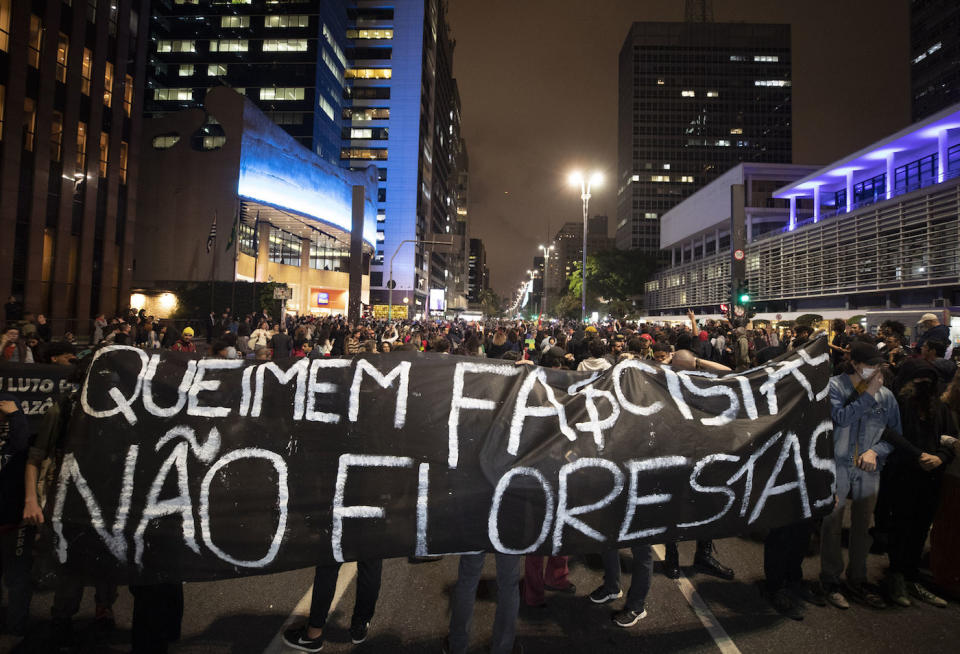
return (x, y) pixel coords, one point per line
(744, 298)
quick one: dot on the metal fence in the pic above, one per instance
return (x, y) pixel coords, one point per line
(912, 241)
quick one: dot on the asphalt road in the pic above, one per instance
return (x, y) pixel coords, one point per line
(244, 616)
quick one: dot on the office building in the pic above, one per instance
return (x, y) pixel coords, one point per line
(478, 274)
(879, 228)
(568, 251)
(71, 84)
(934, 55)
(288, 57)
(298, 219)
(695, 99)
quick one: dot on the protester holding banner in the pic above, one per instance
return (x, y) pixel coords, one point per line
(862, 409)
(16, 540)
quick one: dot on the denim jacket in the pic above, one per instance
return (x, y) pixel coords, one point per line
(858, 426)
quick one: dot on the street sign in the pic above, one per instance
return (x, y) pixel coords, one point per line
(779, 316)
(282, 293)
(738, 311)
(392, 284)
(738, 255)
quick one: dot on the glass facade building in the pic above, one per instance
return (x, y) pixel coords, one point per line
(695, 99)
(934, 55)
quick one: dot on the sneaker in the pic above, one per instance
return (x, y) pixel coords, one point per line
(602, 595)
(925, 595)
(785, 604)
(811, 594)
(897, 590)
(358, 631)
(628, 617)
(104, 618)
(836, 597)
(865, 594)
(297, 639)
(671, 568)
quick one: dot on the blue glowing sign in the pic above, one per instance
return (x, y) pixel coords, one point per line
(323, 298)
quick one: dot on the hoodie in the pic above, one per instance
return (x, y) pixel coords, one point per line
(592, 365)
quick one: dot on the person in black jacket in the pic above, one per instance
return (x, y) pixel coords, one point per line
(16, 540)
(914, 472)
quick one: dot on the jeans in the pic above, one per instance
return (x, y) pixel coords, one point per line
(642, 573)
(534, 578)
(157, 616)
(783, 553)
(16, 561)
(863, 488)
(325, 585)
(465, 594)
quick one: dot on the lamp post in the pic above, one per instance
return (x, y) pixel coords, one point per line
(546, 262)
(391, 283)
(585, 183)
(533, 275)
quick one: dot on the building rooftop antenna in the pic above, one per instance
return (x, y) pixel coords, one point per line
(698, 11)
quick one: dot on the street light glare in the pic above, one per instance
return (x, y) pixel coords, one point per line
(575, 178)
(596, 179)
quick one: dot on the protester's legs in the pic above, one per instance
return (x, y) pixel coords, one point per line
(861, 516)
(157, 615)
(831, 554)
(611, 570)
(796, 548)
(16, 553)
(775, 564)
(533, 579)
(324, 587)
(671, 553)
(558, 572)
(66, 597)
(508, 603)
(368, 589)
(642, 573)
(462, 600)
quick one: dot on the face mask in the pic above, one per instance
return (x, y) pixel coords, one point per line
(866, 373)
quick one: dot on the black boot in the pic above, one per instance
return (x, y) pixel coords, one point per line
(705, 562)
(671, 561)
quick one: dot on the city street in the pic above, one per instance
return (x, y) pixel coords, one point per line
(248, 615)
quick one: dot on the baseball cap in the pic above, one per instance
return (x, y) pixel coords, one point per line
(647, 337)
(928, 316)
(861, 352)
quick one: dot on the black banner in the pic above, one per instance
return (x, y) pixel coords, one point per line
(189, 469)
(37, 387)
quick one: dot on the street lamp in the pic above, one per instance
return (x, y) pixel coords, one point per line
(577, 178)
(546, 261)
(391, 283)
(533, 274)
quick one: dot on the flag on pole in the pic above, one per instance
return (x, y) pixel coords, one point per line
(212, 236)
(233, 232)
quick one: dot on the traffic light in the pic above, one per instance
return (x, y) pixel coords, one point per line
(742, 293)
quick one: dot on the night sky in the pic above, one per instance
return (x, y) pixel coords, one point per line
(538, 84)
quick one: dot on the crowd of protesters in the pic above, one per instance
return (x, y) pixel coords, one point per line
(895, 406)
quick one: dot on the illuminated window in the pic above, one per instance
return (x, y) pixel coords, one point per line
(284, 247)
(173, 94)
(666, 166)
(659, 82)
(686, 179)
(635, 178)
(368, 73)
(123, 161)
(213, 142)
(660, 178)
(29, 123)
(326, 107)
(185, 70)
(381, 217)
(713, 94)
(285, 45)
(737, 58)
(369, 34)
(81, 147)
(63, 48)
(216, 70)
(688, 94)
(127, 94)
(366, 113)
(723, 143)
(364, 153)
(772, 82)
(165, 141)
(328, 35)
(33, 44)
(649, 216)
(381, 236)
(85, 71)
(286, 21)
(186, 2)
(235, 21)
(108, 84)
(332, 65)
(182, 45)
(289, 93)
(5, 24)
(229, 45)
(736, 130)
(56, 136)
(104, 153)
(766, 58)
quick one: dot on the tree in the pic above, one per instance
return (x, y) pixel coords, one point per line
(490, 303)
(613, 276)
(567, 306)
